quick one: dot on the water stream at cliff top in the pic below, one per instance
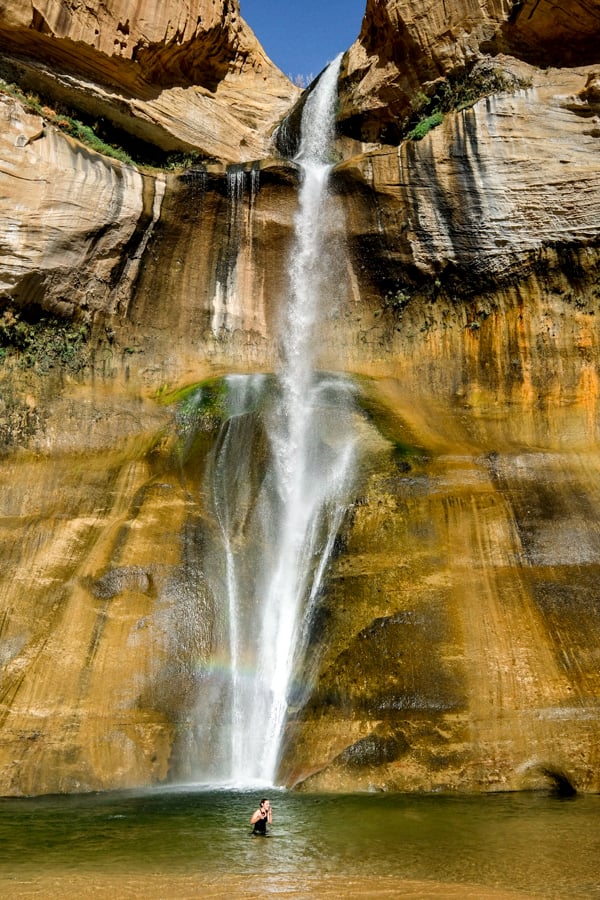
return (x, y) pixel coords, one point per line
(277, 483)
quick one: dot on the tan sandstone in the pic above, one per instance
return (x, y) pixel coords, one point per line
(456, 646)
(406, 46)
(187, 75)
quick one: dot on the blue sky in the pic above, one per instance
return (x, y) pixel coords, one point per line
(302, 36)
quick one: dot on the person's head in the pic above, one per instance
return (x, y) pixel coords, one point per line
(264, 804)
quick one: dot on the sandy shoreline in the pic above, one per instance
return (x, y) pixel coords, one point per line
(181, 887)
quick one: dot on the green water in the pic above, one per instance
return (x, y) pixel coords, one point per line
(520, 841)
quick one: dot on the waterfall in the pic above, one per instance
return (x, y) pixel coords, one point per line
(277, 482)
(227, 303)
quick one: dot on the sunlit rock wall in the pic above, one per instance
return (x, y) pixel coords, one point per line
(185, 75)
(456, 643)
(72, 222)
(85, 619)
(407, 47)
(456, 648)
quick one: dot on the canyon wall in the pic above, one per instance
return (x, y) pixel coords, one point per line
(188, 75)
(407, 49)
(455, 646)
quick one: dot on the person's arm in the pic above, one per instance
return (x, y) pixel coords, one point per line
(270, 815)
(257, 815)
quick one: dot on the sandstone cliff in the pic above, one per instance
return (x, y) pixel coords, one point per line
(456, 643)
(186, 75)
(408, 48)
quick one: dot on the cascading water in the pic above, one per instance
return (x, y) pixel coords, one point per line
(227, 301)
(278, 481)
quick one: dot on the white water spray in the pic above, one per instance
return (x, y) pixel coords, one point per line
(279, 479)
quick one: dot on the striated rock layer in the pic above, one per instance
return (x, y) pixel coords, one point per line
(455, 645)
(188, 75)
(407, 48)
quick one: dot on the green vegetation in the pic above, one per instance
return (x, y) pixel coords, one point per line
(199, 408)
(206, 404)
(189, 396)
(87, 136)
(44, 344)
(199, 411)
(395, 300)
(99, 136)
(403, 453)
(453, 95)
(420, 130)
(77, 129)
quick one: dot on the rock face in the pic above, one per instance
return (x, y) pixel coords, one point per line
(453, 204)
(455, 645)
(63, 240)
(406, 47)
(178, 76)
(456, 641)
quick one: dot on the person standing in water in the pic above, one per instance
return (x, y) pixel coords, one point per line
(263, 814)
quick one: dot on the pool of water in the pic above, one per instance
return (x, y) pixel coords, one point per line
(524, 842)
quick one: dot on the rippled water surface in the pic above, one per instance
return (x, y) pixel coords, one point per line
(525, 842)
